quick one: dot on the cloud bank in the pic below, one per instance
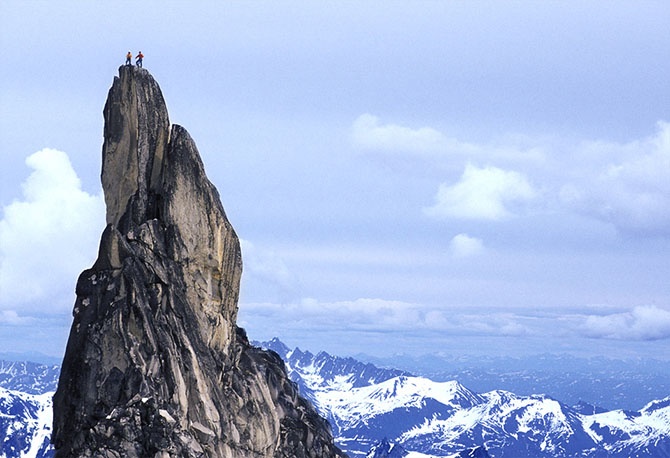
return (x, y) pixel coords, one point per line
(47, 237)
(366, 317)
(378, 316)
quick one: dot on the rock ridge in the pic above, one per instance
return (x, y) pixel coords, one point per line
(155, 365)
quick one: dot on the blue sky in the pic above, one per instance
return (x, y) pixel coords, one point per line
(407, 177)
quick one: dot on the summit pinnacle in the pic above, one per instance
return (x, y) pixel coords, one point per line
(155, 364)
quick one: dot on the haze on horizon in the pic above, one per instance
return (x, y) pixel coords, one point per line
(407, 177)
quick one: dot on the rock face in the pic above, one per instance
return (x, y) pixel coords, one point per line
(155, 365)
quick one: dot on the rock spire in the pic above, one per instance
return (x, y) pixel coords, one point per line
(155, 364)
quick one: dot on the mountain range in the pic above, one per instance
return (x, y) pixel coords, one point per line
(609, 383)
(389, 413)
(366, 405)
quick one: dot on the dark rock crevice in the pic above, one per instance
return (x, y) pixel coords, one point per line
(155, 364)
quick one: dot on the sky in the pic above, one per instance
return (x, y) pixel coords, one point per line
(455, 177)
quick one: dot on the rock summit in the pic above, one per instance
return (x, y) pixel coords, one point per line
(155, 364)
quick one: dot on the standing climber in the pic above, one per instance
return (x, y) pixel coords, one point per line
(129, 56)
(138, 59)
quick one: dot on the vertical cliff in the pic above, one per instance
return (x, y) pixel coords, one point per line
(155, 365)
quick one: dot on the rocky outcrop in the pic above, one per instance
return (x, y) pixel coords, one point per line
(155, 365)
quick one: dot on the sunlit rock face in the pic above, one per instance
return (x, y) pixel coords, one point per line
(155, 365)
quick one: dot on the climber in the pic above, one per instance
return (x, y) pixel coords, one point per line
(138, 59)
(128, 57)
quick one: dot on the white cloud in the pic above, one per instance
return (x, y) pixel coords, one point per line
(48, 237)
(641, 323)
(630, 187)
(482, 193)
(625, 184)
(369, 133)
(463, 246)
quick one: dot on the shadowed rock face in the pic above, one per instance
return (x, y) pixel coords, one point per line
(155, 365)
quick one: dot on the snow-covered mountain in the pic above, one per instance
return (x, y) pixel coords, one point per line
(646, 432)
(367, 405)
(538, 426)
(26, 389)
(28, 377)
(25, 424)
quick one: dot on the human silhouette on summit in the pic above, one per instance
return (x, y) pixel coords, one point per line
(138, 59)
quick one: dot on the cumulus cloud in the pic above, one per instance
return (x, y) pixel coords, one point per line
(630, 188)
(486, 193)
(463, 246)
(641, 323)
(48, 237)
